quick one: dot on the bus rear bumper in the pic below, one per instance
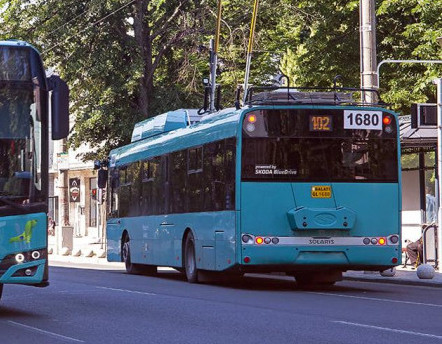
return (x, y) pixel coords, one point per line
(302, 258)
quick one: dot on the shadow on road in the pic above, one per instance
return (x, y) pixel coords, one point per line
(9, 312)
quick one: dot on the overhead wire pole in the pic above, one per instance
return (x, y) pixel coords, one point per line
(250, 48)
(214, 46)
(438, 83)
(367, 19)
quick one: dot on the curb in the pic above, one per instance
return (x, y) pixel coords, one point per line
(85, 262)
(392, 280)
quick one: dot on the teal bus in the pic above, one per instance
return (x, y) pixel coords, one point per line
(301, 182)
(26, 97)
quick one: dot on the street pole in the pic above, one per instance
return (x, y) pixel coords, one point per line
(367, 22)
(439, 170)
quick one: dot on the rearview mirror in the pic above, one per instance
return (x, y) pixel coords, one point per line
(59, 107)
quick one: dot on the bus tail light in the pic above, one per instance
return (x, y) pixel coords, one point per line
(382, 241)
(386, 120)
(251, 118)
(246, 260)
(259, 240)
(394, 239)
(246, 239)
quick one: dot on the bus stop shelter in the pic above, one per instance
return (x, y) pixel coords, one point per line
(419, 184)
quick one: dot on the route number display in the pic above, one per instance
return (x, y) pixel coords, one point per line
(355, 119)
(321, 123)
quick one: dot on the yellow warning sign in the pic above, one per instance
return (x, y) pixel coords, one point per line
(321, 191)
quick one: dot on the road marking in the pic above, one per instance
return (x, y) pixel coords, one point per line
(52, 334)
(378, 299)
(127, 291)
(388, 329)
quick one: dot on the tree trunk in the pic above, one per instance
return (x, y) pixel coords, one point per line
(143, 39)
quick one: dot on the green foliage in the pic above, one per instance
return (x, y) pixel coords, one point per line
(128, 60)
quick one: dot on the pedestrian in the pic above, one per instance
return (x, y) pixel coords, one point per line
(415, 252)
(51, 226)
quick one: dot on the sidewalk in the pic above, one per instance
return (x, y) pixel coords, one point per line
(84, 262)
(404, 276)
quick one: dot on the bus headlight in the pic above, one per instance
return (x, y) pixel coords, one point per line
(19, 258)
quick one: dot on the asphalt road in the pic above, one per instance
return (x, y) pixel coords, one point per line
(96, 306)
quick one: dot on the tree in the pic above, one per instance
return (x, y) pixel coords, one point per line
(126, 60)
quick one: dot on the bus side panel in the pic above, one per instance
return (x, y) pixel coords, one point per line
(23, 234)
(215, 239)
(113, 240)
(157, 240)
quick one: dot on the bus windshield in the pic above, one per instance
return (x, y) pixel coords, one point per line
(20, 142)
(14, 64)
(319, 145)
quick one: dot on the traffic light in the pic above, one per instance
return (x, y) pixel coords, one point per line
(94, 194)
(423, 115)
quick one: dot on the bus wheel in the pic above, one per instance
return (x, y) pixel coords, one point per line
(130, 268)
(1, 290)
(190, 260)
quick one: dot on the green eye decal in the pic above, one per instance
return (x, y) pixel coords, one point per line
(27, 234)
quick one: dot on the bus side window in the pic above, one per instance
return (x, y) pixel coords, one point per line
(230, 158)
(114, 185)
(163, 181)
(134, 172)
(195, 179)
(124, 192)
(218, 176)
(178, 173)
(207, 178)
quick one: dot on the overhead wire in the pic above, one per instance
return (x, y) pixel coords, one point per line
(89, 27)
(62, 26)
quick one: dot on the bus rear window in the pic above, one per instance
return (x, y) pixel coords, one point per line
(317, 145)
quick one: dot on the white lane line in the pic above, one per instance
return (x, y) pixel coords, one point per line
(388, 329)
(382, 300)
(52, 334)
(127, 291)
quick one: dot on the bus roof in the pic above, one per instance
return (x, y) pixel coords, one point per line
(161, 137)
(213, 127)
(17, 43)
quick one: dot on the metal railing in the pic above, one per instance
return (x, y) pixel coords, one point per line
(429, 238)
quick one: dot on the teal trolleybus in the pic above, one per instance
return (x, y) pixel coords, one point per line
(24, 128)
(305, 183)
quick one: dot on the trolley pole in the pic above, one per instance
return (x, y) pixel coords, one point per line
(439, 170)
(214, 46)
(250, 48)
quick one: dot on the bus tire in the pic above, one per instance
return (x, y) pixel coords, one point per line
(190, 259)
(1, 290)
(131, 268)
